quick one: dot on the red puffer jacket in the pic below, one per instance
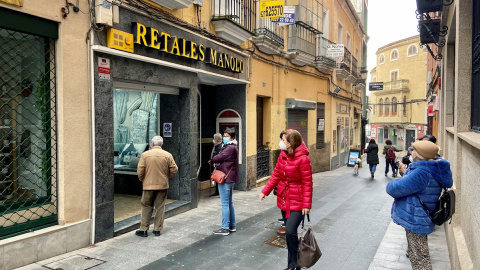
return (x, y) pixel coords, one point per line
(293, 178)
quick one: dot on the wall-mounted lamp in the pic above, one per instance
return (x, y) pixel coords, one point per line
(337, 90)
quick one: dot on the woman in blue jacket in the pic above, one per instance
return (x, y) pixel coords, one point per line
(424, 177)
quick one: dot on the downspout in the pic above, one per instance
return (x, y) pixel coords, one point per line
(91, 108)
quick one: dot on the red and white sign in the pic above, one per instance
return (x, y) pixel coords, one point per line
(104, 69)
(431, 112)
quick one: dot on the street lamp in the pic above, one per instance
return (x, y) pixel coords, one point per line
(363, 73)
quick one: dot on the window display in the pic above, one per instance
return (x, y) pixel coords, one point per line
(135, 124)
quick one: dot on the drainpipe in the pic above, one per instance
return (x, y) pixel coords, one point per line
(91, 109)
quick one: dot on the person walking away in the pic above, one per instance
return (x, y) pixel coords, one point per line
(389, 152)
(217, 147)
(227, 162)
(372, 156)
(424, 179)
(293, 178)
(154, 168)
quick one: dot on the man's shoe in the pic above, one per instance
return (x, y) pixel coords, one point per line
(141, 233)
(222, 232)
(156, 233)
(281, 231)
(232, 229)
(214, 194)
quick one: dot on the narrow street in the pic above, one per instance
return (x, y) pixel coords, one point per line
(349, 217)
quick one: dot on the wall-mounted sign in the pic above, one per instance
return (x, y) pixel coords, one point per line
(375, 86)
(104, 69)
(288, 16)
(271, 9)
(167, 129)
(335, 50)
(321, 124)
(166, 43)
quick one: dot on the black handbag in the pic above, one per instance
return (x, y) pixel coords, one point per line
(308, 251)
(444, 209)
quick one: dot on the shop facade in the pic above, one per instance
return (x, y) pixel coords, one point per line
(181, 86)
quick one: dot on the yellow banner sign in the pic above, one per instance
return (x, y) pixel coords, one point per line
(13, 2)
(271, 9)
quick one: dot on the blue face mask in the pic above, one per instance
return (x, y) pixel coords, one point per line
(226, 140)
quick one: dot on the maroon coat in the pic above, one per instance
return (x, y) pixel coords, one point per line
(228, 158)
(293, 178)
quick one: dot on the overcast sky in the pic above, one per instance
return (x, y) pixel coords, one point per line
(389, 21)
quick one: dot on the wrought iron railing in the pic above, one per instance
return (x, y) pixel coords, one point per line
(310, 12)
(242, 12)
(345, 61)
(322, 51)
(301, 38)
(396, 85)
(270, 29)
(354, 70)
(263, 162)
(28, 135)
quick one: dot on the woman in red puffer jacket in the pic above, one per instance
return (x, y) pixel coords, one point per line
(293, 178)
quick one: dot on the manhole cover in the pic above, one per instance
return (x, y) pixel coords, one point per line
(75, 262)
(277, 241)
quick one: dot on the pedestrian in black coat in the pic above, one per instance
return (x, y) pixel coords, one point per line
(217, 147)
(372, 156)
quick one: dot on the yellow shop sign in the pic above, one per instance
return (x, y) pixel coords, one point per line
(271, 9)
(166, 43)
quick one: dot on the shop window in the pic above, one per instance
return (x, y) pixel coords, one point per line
(28, 139)
(135, 124)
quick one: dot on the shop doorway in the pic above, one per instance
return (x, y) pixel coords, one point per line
(137, 113)
(410, 138)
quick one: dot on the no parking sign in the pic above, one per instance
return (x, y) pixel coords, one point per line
(167, 129)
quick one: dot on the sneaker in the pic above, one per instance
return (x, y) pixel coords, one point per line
(222, 231)
(232, 229)
(280, 220)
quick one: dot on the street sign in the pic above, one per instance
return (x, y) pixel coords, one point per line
(375, 86)
(288, 16)
(271, 9)
(335, 50)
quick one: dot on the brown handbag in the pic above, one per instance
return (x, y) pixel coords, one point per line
(308, 251)
(219, 176)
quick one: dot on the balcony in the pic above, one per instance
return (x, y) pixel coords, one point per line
(269, 37)
(174, 4)
(343, 68)
(400, 86)
(322, 62)
(301, 41)
(234, 20)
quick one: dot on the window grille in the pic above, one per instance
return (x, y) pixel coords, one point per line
(301, 38)
(242, 12)
(28, 157)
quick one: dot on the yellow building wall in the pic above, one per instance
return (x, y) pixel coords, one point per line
(73, 122)
(412, 68)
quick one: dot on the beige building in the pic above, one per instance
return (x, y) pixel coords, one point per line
(399, 105)
(459, 122)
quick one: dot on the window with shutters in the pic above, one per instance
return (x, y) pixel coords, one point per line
(320, 125)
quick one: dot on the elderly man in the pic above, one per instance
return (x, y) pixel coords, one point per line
(154, 169)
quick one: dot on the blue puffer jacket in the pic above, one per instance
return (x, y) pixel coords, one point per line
(425, 178)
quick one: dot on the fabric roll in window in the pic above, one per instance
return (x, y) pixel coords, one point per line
(120, 108)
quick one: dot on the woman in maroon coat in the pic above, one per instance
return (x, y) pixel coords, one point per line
(293, 178)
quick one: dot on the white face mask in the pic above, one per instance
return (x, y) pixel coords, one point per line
(282, 145)
(410, 158)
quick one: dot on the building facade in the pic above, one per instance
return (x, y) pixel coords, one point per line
(457, 86)
(399, 105)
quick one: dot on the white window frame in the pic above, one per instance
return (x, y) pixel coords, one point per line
(326, 24)
(398, 55)
(398, 74)
(349, 42)
(380, 57)
(416, 50)
(340, 34)
(238, 134)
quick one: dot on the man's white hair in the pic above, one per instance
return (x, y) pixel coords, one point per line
(217, 137)
(157, 140)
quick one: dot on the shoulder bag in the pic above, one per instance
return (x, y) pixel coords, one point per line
(219, 176)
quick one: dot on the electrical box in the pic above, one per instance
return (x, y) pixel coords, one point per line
(103, 12)
(198, 2)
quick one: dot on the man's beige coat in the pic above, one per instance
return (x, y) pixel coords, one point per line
(155, 167)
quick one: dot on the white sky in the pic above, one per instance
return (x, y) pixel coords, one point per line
(389, 21)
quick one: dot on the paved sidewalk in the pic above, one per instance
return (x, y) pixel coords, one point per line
(391, 252)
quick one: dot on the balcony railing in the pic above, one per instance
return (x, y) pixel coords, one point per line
(301, 38)
(310, 12)
(270, 29)
(242, 12)
(345, 62)
(396, 85)
(322, 52)
(354, 67)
